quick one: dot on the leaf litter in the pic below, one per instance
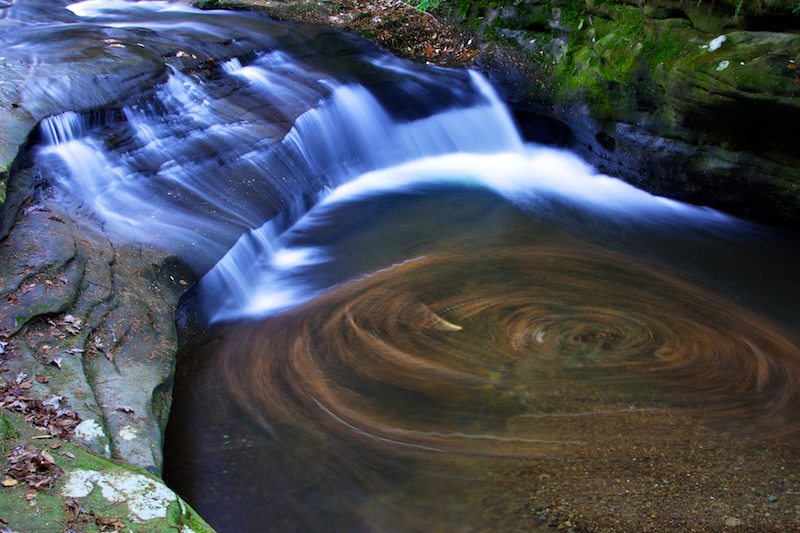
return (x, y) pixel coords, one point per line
(47, 415)
(35, 467)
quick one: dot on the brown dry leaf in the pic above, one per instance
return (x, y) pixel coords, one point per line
(48, 459)
(46, 415)
(35, 467)
(75, 513)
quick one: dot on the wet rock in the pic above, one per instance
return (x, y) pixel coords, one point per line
(81, 312)
(51, 485)
(662, 102)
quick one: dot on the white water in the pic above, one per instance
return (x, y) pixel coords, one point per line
(477, 148)
(207, 158)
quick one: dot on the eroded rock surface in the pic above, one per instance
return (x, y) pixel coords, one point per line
(95, 320)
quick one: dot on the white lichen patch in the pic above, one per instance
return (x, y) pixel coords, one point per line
(89, 430)
(146, 498)
(129, 433)
(723, 65)
(80, 483)
(716, 43)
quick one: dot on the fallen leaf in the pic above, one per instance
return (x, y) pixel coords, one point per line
(9, 482)
(34, 209)
(55, 401)
(48, 458)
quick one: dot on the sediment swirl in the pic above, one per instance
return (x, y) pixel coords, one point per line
(439, 353)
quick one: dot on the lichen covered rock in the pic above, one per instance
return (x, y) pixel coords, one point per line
(50, 486)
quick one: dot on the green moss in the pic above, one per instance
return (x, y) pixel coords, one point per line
(47, 511)
(9, 432)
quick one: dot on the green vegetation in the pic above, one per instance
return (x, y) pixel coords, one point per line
(9, 431)
(470, 10)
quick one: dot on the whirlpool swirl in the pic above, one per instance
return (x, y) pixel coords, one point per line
(439, 353)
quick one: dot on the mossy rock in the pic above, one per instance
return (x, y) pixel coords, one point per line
(743, 95)
(91, 493)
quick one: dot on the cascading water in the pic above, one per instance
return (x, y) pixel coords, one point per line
(406, 305)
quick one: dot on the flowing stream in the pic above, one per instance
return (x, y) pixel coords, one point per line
(399, 292)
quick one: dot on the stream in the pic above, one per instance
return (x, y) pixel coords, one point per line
(399, 293)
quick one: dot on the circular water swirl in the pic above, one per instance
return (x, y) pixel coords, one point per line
(439, 353)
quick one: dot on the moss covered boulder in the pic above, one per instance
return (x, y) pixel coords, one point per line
(49, 486)
(697, 101)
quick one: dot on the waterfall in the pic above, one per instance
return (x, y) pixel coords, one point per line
(352, 142)
(221, 167)
(61, 129)
(347, 137)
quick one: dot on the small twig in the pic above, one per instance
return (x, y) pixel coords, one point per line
(110, 505)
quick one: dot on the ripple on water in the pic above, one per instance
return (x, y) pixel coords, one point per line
(438, 354)
(400, 400)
